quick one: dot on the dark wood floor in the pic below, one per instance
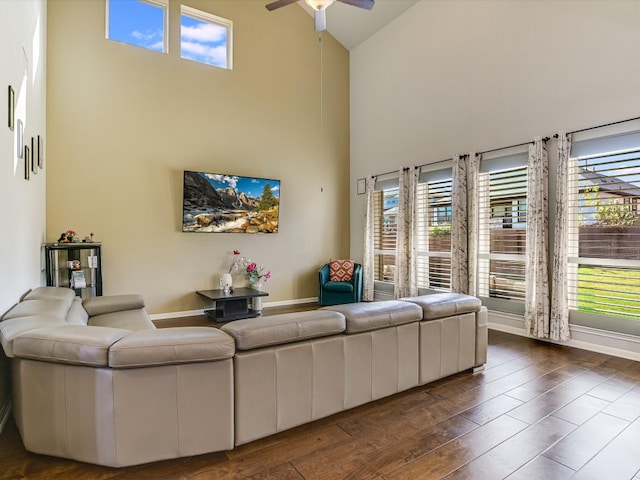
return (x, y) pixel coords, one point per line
(538, 411)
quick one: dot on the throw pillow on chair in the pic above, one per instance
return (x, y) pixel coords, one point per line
(341, 270)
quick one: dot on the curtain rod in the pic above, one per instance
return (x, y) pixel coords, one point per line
(465, 155)
(505, 148)
(601, 126)
(417, 166)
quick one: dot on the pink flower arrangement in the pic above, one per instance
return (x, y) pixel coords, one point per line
(254, 273)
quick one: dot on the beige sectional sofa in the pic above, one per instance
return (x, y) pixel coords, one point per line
(96, 381)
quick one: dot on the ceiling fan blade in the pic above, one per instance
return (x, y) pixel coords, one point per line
(278, 4)
(366, 4)
(320, 18)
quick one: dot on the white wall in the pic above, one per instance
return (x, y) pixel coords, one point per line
(455, 76)
(22, 207)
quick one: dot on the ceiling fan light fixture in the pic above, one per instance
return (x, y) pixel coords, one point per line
(319, 5)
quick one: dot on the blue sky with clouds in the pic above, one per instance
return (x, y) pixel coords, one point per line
(252, 187)
(142, 24)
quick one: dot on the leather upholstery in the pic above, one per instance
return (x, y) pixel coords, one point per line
(115, 391)
(112, 303)
(362, 317)
(74, 344)
(115, 396)
(438, 305)
(285, 328)
(170, 346)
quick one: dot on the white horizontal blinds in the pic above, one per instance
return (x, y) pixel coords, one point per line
(502, 226)
(604, 226)
(434, 232)
(385, 233)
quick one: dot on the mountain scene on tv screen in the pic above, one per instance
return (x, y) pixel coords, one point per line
(228, 203)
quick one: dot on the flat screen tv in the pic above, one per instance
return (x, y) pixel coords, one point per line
(218, 203)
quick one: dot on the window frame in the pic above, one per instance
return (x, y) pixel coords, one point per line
(597, 148)
(162, 4)
(207, 17)
(429, 215)
(489, 167)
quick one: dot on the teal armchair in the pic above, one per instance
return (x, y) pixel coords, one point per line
(335, 293)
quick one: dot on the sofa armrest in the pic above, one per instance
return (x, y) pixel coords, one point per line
(72, 344)
(112, 303)
(169, 346)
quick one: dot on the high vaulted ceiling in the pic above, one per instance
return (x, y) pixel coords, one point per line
(351, 26)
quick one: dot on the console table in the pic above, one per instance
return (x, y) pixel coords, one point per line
(233, 305)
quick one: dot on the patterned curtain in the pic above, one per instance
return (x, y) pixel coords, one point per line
(536, 312)
(473, 213)
(459, 237)
(559, 321)
(367, 261)
(406, 275)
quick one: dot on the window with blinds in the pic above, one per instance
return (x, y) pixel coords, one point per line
(502, 228)
(604, 234)
(434, 234)
(385, 232)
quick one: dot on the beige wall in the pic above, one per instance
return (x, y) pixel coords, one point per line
(125, 122)
(22, 208)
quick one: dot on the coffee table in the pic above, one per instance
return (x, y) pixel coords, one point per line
(233, 305)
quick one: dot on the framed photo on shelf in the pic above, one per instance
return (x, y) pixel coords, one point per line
(27, 162)
(11, 108)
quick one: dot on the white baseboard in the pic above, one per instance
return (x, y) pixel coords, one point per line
(5, 411)
(584, 338)
(195, 313)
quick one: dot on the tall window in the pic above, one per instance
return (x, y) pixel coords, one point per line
(385, 233)
(604, 245)
(205, 38)
(142, 23)
(434, 232)
(502, 241)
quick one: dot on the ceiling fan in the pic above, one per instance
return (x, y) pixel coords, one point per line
(320, 6)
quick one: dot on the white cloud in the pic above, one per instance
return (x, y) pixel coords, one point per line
(232, 181)
(204, 33)
(145, 36)
(204, 53)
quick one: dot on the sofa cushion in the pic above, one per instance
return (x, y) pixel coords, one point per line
(441, 305)
(112, 303)
(340, 270)
(73, 344)
(42, 306)
(285, 328)
(133, 320)
(10, 329)
(166, 346)
(59, 293)
(77, 314)
(365, 316)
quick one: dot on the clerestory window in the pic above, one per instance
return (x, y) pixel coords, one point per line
(142, 23)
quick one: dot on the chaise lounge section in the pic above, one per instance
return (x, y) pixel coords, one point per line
(95, 381)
